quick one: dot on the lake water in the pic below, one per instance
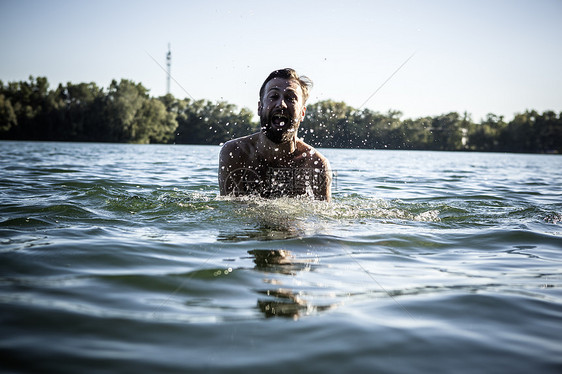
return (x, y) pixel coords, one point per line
(122, 258)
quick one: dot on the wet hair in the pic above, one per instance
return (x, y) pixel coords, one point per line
(288, 73)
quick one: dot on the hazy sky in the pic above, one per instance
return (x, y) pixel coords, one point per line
(477, 56)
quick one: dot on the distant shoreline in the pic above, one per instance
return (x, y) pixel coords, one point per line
(219, 145)
(125, 113)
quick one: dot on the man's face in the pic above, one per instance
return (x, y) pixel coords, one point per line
(281, 109)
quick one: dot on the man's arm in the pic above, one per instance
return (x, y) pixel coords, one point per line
(324, 188)
(235, 176)
(225, 166)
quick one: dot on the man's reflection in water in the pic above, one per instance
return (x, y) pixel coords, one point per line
(261, 234)
(282, 302)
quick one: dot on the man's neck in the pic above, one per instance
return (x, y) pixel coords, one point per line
(270, 149)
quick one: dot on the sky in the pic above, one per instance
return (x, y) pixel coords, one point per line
(436, 57)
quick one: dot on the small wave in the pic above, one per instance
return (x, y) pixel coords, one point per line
(159, 201)
(288, 217)
(22, 222)
(303, 208)
(251, 217)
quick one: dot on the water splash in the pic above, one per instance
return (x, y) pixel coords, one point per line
(303, 215)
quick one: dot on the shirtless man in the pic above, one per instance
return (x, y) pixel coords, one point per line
(275, 162)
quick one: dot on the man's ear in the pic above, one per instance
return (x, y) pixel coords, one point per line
(303, 112)
(259, 108)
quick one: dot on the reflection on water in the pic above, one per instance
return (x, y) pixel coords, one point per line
(279, 261)
(292, 305)
(261, 233)
(283, 302)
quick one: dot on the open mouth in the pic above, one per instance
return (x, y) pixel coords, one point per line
(280, 120)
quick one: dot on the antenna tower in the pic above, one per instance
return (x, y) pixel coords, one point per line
(169, 69)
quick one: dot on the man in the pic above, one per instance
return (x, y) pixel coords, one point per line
(275, 162)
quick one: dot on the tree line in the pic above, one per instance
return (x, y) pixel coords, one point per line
(125, 112)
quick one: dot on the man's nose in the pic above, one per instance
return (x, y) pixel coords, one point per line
(282, 103)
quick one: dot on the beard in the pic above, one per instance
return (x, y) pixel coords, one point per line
(278, 133)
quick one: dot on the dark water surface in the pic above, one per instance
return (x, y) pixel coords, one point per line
(122, 258)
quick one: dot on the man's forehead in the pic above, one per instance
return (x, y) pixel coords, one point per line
(283, 84)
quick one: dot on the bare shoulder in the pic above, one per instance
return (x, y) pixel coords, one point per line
(239, 146)
(322, 158)
(237, 153)
(315, 158)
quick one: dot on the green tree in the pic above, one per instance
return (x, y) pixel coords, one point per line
(447, 132)
(380, 131)
(205, 122)
(521, 132)
(152, 123)
(327, 124)
(417, 133)
(549, 132)
(123, 101)
(80, 112)
(489, 135)
(30, 102)
(8, 118)
(373, 128)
